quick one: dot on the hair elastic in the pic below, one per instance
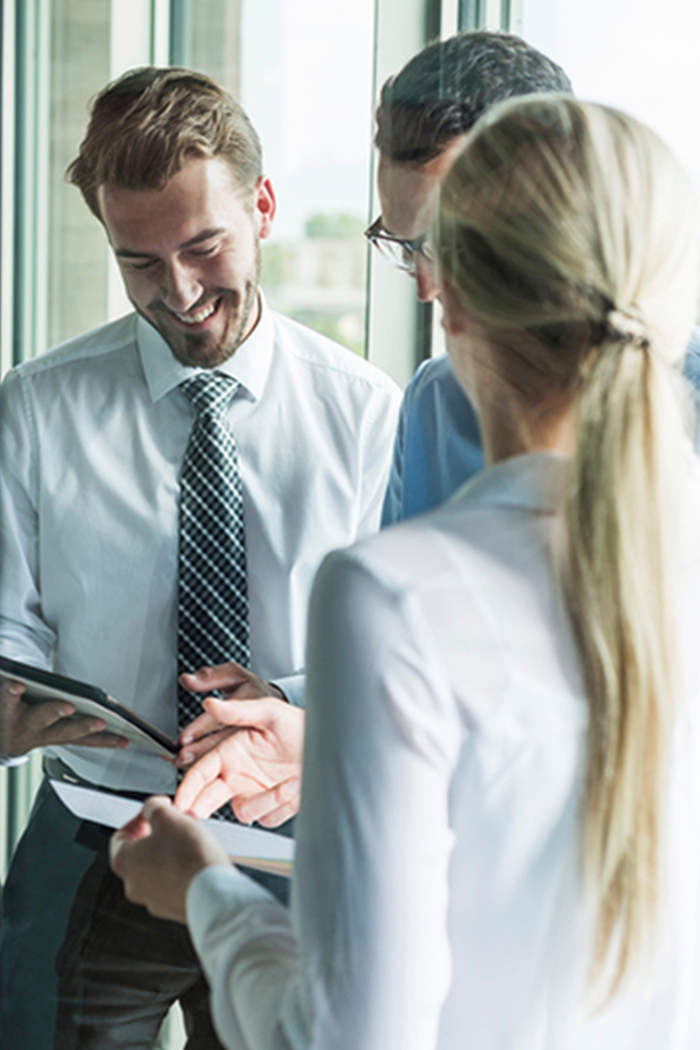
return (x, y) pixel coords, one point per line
(626, 326)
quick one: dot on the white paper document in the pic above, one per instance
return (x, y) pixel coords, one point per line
(253, 847)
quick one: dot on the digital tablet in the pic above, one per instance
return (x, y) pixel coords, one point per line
(88, 700)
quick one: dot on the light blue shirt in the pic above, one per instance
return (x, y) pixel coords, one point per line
(438, 443)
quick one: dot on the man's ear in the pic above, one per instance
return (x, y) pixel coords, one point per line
(265, 206)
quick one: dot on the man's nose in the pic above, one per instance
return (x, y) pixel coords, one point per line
(181, 287)
(427, 288)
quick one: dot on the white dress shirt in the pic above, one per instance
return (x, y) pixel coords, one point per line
(92, 438)
(436, 898)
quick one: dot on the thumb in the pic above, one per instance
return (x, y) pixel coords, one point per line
(251, 713)
(157, 809)
(223, 676)
(135, 829)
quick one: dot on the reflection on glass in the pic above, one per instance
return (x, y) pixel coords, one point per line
(319, 278)
(306, 81)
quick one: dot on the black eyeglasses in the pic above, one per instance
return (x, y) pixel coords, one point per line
(400, 252)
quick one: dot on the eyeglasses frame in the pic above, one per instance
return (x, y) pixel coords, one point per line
(376, 234)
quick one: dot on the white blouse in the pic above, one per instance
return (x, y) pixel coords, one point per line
(436, 898)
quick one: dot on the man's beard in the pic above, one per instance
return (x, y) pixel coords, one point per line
(194, 349)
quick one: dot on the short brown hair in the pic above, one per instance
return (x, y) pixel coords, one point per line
(145, 125)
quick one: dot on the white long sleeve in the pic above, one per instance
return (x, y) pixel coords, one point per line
(437, 900)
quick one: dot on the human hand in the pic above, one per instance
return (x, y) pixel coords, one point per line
(24, 726)
(257, 764)
(235, 683)
(158, 853)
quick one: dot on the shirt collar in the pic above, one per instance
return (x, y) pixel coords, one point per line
(249, 364)
(534, 481)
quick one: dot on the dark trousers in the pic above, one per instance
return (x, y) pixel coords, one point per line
(46, 869)
(120, 970)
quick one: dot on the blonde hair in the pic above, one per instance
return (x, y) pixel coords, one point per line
(567, 229)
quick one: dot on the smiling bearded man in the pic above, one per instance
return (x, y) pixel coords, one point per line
(169, 484)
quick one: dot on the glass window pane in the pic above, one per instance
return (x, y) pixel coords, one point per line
(214, 40)
(634, 54)
(303, 70)
(77, 256)
(306, 80)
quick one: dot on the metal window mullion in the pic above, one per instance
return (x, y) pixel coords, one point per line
(493, 14)
(398, 327)
(29, 268)
(512, 16)
(160, 32)
(31, 174)
(41, 188)
(487, 14)
(180, 44)
(471, 14)
(131, 25)
(7, 163)
(23, 197)
(22, 784)
(449, 18)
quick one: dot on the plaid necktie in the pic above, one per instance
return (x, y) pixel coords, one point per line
(212, 585)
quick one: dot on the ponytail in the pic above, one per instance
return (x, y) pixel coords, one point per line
(566, 230)
(615, 565)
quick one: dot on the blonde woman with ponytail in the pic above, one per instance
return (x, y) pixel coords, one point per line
(499, 840)
(585, 285)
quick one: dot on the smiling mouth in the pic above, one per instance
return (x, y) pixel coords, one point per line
(195, 317)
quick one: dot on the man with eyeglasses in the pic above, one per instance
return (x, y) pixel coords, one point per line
(424, 113)
(423, 116)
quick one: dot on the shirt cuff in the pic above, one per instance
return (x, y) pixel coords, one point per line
(7, 761)
(214, 898)
(225, 880)
(293, 688)
(244, 940)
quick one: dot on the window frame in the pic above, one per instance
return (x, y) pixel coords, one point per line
(400, 331)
